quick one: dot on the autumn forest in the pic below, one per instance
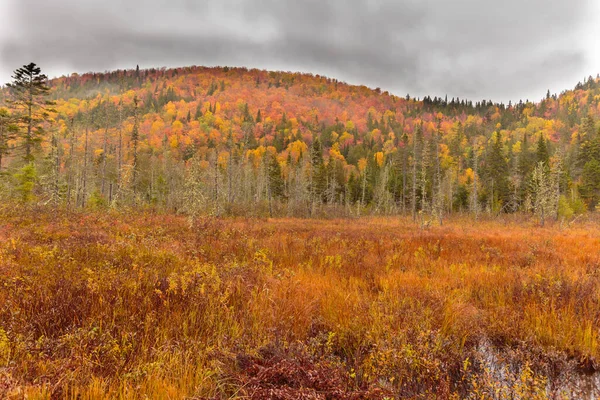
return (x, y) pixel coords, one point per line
(232, 141)
(226, 233)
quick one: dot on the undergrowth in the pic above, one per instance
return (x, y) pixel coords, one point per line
(102, 305)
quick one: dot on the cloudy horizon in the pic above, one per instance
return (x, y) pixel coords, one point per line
(470, 49)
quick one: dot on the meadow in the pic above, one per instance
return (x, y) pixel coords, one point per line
(130, 306)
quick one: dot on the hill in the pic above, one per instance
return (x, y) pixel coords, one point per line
(243, 141)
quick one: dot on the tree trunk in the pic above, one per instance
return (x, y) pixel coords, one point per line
(71, 169)
(120, 158)
(85, 163)
(29, 140)
(414, 182)
(104, 155)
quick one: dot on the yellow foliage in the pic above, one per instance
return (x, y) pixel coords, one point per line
(158, 127)
(516, 148)
(379, 157)
(297, 149)
(335, 154)
(223, 159)
(362, 165)
(388, 147)
(5, 350)
(468, 176)
(177, 127)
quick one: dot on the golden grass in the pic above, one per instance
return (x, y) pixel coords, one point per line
(155, 306)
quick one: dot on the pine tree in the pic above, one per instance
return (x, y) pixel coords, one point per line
(417, 158)
(474, 203)
(29, 91)
(437, 195)
(590, 144)
(276, 184)
(590, 183)
(135, 137)
(497, 173)
(588, 127)
(318, 181)
(404, 170)
(542, 153)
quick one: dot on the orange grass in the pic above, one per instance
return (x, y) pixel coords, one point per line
(157, 306)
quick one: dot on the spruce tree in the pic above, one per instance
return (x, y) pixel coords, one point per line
(497, 172)
(275, 179)
(588, 126)
(542, 153)
(135, 138)
(29, 91)
(318, 174)
(590, 183)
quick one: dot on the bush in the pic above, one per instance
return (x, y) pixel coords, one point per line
(97, 201)
(26, 179)
(578, 205)
(564, 208)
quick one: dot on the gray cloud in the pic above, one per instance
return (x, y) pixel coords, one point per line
(467, 48)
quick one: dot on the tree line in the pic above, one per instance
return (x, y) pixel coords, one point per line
(161, 139)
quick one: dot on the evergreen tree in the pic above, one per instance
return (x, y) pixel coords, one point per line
(589, 149)
(416, 166)
(497, 173)
(542, 153)
(588, 127)
(135, 137)
(26, 179)
(247, 116)
(276, 184)
(29, 91)
(318, 182)
(590, 183)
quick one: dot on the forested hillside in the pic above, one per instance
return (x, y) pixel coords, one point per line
(237, 141)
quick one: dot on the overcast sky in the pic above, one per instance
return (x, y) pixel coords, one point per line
(492, 49)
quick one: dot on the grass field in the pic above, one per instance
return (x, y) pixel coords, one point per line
(155, 306)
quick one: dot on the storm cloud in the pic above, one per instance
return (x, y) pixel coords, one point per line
(478, 49)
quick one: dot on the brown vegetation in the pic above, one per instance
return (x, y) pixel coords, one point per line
(160, 306)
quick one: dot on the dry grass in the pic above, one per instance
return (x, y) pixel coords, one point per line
(153, 306)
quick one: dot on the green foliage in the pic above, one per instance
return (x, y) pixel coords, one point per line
(276, 184)
(337, 145)
(29, 90)
(97, 201)
(564, 208)
(578, 205)
(590, 183)
(542, 152)
(26, 178)
(497, 173)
